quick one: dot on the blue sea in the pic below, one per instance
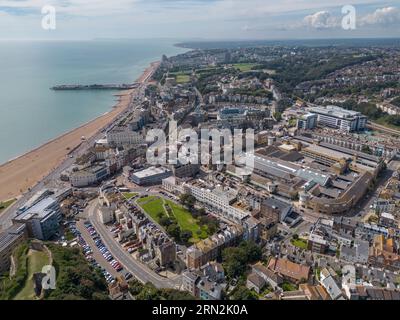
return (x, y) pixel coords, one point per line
(32, 114)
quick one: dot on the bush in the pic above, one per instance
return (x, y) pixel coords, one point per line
(186, 235)
(10, 287)
(76, 279)
(243, 293)
(150, 292)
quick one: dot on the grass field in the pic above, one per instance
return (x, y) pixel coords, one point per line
(36, 261)
(181, 77)
(244, 67)
(299, 243)
(153, 205)
(205, 70)
(129, 195)
(5, 204)
(187, 222)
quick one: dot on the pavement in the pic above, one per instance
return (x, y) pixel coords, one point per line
(130, 264)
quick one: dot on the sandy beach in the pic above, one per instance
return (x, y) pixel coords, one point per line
(17, 175)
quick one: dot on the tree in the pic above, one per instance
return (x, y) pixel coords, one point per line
(149, 292)
(173, 294)
(253, 251)
(165, 221)
(135, 287)
(242, 293)
(187, 200)
(186, 235)
(278, 116)
(174, 231)
(235, 260)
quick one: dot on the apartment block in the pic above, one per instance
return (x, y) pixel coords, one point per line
(42, 220)
(339, 118)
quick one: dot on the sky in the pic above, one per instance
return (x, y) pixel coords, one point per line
(199, 19)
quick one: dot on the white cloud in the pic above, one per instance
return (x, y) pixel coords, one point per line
(320, 20)
(73, 7)
(184, 18)
(384, 16)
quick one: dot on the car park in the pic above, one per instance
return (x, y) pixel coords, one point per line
(128, 276)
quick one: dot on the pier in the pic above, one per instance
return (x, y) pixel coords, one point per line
(123, 86)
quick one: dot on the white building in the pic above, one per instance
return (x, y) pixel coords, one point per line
(219, 200)
(123, 135)
(339, 118)
(171, 185)
(89, 176)
(106, 214)
(150, 176)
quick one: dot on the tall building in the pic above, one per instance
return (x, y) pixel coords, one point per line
(42, 220)
(339, 118)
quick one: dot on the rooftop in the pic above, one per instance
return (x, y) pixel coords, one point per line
(335, 111)
(152, 171)
(289, 269)
(9, 235)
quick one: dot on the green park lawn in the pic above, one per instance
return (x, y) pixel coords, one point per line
(182, 78)
(187, 222)
(36, 261)
(244, 67)
(129, 195)
(153, 205)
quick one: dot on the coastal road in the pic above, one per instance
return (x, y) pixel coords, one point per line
(138, 269)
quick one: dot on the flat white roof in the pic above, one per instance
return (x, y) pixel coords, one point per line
(150, 172)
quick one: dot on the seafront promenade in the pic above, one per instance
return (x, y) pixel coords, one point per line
(24, 172)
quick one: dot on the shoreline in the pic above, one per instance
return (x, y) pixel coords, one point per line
(58, 137)
(25, 171)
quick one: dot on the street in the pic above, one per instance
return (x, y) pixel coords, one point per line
(139, 270)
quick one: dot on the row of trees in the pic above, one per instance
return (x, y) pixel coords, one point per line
(372, 112)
